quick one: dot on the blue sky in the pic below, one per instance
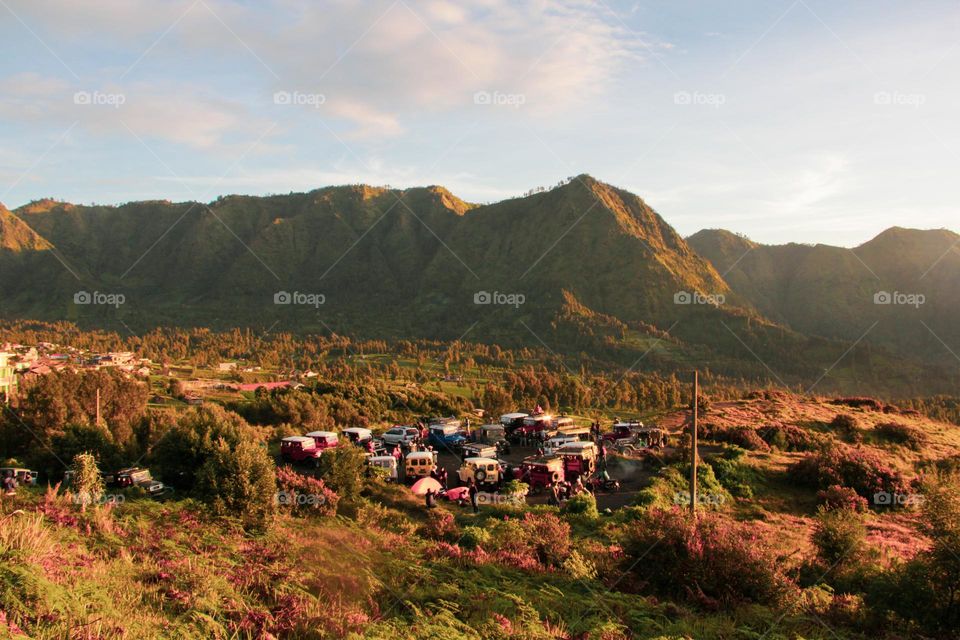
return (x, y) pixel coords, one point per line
(803, 120)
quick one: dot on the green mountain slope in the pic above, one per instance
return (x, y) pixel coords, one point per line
(583, 268)
(830, 291)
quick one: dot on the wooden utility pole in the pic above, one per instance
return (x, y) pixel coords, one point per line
(693, 444)
(98, 407)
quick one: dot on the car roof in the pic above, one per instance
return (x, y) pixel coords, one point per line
(578, 445)
(515, 415)
(321, 434)
(297, 439)
(481, 460)
(382, 458)
(356, 430)
(420, 454)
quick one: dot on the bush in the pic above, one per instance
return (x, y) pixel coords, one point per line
(86, 483)
(440, 525)
(925, 589)
(183, 450)
(734, 476)
(709, 560)
(847, 426)
(787, 437)
(839, 537)
(857, 468)
(302, 495)
(901, 434)
(342, 469)
(744, 437)
(582, 504)
(474, 537)
(239, 481)
(837, 497)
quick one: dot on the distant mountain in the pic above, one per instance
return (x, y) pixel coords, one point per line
(584, 268)
(905, 280)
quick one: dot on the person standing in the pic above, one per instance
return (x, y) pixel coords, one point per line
(472, 490)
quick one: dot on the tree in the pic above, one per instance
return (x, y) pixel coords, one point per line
(239, 480)
(86, 482)
(342, 469)
(182, 451)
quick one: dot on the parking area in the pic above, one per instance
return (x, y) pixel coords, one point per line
(632, 474)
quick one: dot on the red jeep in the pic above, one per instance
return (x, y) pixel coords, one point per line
(579, 459)
(300, 449)
(324, 439)
(541, 471)
(532, 425)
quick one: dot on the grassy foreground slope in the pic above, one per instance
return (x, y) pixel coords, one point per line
(757, 564)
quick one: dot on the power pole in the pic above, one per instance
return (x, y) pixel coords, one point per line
(693, 444)
(98, 407)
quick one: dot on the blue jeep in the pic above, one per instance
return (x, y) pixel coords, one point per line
(446, 437)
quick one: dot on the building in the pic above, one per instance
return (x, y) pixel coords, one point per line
(8, 378)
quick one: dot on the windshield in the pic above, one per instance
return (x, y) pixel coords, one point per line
(395, 432)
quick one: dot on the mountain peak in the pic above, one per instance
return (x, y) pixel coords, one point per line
(16, 235)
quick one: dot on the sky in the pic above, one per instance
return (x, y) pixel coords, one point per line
(785, 120)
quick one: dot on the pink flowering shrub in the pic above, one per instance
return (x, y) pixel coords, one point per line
(858, 468)
(710, 560)
(302, 495)
(837, 497)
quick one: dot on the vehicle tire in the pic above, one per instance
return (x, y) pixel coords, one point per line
(480, 476)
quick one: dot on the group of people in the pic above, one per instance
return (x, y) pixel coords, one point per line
(564, 490)
(430, 497)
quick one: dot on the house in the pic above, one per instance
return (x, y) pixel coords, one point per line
(227, 366)
(8, 378)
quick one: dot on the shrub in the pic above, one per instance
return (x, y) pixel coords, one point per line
(183, 450)
(734, 476)
(857, 468)
(342, 469)
(744, 437)
(871, 404)
(710, 560)
(303, 495)
(788, 437)
(847, 426)
(925, 589)
(901, 434)
(440, 525)
(837, 497)
(239, 481)
(474, 537)
(86, 483)
(839, 536)
(582, 504)
(578, 567)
